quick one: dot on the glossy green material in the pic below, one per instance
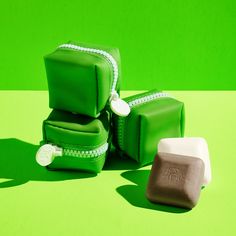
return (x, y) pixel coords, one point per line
(146, 125)
(78, 81)
(77, 132)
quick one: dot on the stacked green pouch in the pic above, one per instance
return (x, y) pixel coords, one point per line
(154, 115)
(73, 141)
(83, 78)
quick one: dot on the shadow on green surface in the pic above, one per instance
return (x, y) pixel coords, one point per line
(135, 194)
(118, 161)
(17, 163)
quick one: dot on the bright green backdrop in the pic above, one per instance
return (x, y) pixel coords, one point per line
(169, 44)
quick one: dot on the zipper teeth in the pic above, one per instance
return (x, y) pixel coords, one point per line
(107, 55)
(147, 98)
(86, 154)
(133, 103)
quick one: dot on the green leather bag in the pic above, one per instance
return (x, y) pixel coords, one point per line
(154, 115)
(83, 78)
(74, 141)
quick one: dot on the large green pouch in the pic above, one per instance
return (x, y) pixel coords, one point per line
(82, 78)
(154, 115)
(73, 141)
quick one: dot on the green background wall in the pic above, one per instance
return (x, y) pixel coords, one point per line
(168, 44)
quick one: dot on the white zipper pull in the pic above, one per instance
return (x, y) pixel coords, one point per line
(47, 153)
(119, 106)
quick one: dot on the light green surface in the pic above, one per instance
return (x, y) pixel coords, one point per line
(112, 203)
(178, 44)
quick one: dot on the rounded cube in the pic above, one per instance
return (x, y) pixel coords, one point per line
(175, 180)
(80, 80)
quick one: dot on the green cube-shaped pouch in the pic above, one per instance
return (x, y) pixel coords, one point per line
(82, 78)
(73, 141)
(154, 115)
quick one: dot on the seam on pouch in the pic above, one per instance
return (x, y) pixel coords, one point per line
(97, 95)
(139, 138)
(72, 145)
(72, 129)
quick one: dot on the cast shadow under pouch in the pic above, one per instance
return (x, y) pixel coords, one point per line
(18, 165)
(135, 193)
(118, 161)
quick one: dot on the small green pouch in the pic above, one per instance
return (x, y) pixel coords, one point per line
(74, 141)
(154, 115)
(83, 78)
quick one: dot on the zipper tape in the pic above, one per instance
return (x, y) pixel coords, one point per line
(118, 106)
(47, 153)
(86, 154)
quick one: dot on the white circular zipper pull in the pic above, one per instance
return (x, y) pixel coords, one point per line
(119, 106)
(46, 154)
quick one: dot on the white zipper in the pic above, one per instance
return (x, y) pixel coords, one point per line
(86, 154)
(118, 106)
(147, 98)
(48, 152)
(134, 103)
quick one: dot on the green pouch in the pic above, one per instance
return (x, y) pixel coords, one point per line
(154, 115)
(82, 78)
(73, 141)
